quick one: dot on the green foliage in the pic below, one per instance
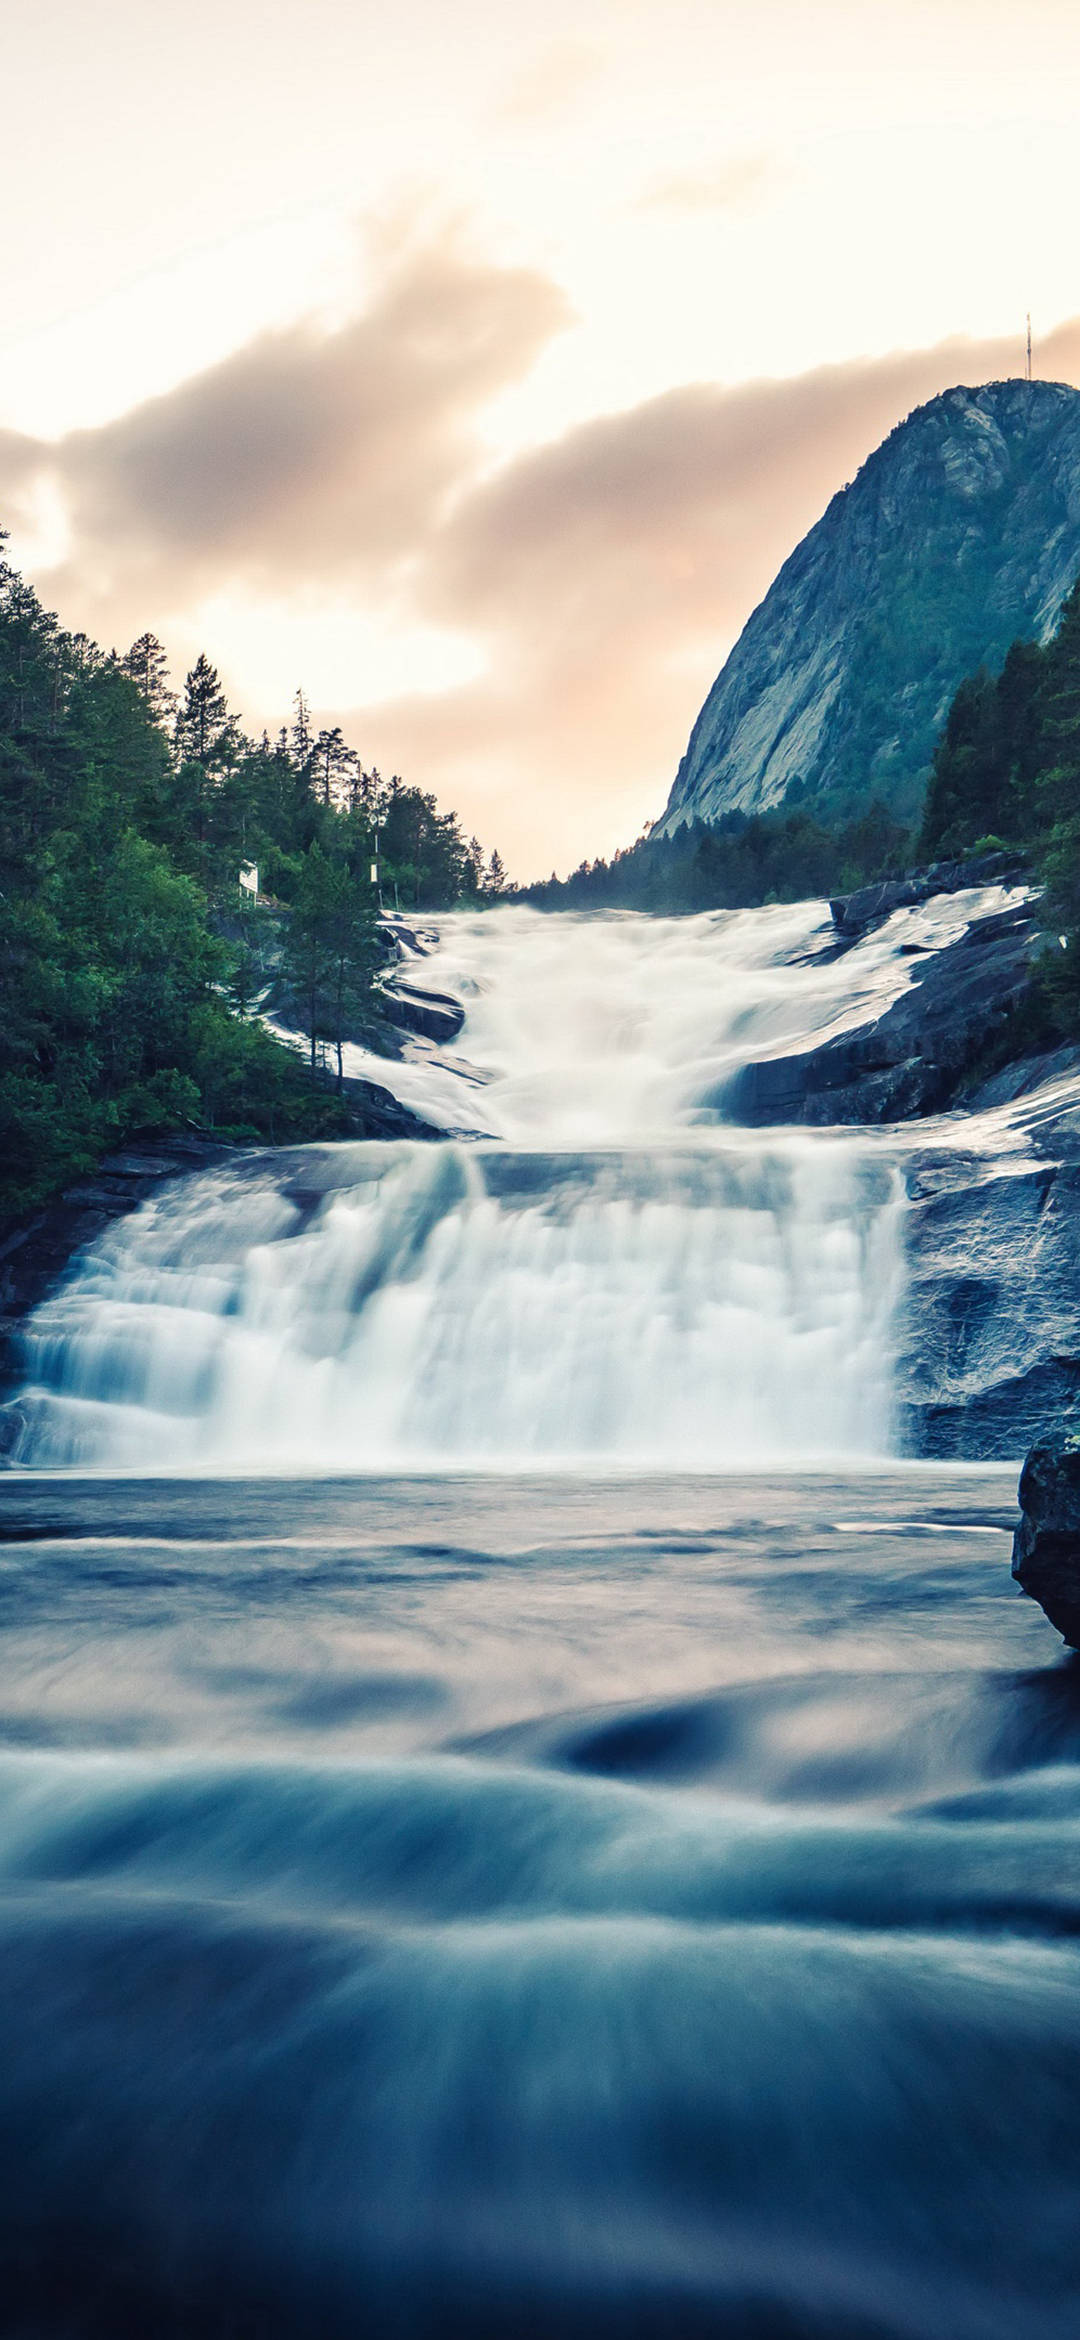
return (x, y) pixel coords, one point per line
(1008, 760)
(331, 949)
(739, 864)
(123, 824)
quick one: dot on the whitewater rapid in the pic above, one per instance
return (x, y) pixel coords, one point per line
(607, 1274)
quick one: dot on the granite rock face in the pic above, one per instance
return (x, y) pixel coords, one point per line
(989, 1334)
(960, 533)
(1046, 1546)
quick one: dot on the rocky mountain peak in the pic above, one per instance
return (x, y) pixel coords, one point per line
(959, 533)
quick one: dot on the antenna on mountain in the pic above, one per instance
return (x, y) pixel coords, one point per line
(1029, 347)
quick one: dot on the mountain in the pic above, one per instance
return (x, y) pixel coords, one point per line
(961, 532)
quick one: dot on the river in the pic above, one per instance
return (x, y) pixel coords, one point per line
(523, 1813)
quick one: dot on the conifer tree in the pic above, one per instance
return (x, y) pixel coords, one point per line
(148, 666)
(333, 764)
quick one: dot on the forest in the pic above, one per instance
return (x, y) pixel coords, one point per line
(128, 974)
(735, 864)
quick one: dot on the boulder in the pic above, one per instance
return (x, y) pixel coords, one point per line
(1046, 1546)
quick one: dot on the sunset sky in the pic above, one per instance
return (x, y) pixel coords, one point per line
(477, 367)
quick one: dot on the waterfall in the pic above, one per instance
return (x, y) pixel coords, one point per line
(610, 1276)
(453, 1306)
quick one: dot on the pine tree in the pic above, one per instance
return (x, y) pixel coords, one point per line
(301, 729)
(207, 742)
(333, 765)
(331, 950)
(206, 733)
(148, 666)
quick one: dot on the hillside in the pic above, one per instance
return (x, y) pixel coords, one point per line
(961, 532)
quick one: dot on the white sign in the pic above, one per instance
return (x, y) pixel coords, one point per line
(249, 877)
(374, 873)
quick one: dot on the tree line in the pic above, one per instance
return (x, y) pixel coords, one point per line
(1006, 771)
(127, 978)
(736, 863)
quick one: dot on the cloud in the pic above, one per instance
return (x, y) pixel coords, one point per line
(308, 456)
(595, 582)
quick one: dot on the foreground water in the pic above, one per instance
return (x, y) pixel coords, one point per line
(511, 1906)
(596, 1897)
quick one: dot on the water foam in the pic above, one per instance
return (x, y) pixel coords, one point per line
(613, 1277)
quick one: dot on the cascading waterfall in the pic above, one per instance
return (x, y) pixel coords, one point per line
(611, 1276)
(441, 1306)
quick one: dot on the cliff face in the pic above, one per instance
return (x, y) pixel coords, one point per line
(960, 533)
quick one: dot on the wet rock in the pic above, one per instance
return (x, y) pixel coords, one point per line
(431, 1013)
(854, 914)
(916, 1058)
(379, 1114)
(988, 1333)
(1046, 1546)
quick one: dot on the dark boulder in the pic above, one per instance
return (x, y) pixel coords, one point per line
(431, 1013)
(1046, 1546)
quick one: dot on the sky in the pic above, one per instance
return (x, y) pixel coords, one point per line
(476, 368)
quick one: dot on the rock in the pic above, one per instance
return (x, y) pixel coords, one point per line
(854, 914)
(916, 1057)
(1046, 1546)
(431, 1013)
(382, 1115)
(961, 532)
(988, 1333)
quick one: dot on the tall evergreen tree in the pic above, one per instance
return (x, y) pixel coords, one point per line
(148, 666)
(333, 765)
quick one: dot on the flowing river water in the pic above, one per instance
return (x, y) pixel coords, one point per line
(522, 1814)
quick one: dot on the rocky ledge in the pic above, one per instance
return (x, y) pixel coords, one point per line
(917, 1057)
(988, 1339)
(854, 914)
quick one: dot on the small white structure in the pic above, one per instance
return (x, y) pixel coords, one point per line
(249, 878)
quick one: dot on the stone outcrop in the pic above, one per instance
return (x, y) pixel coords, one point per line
(917, 1056)
(432, 1014)
(1046, 1546)
(960, 533)
(854, 914)
(988, 1341)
